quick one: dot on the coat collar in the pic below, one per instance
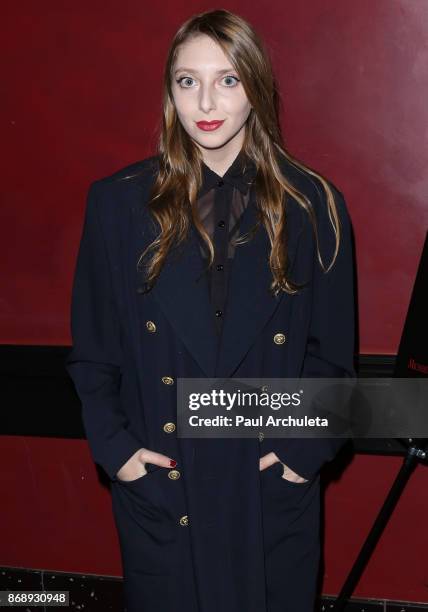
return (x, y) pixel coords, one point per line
(182, 291)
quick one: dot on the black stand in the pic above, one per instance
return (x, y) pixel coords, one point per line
(416, 450)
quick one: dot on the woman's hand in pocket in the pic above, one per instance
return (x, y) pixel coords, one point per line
(267, 460)
(292, 476)
(271, 458)
(135, 467)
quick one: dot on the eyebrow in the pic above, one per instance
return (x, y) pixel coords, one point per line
(221, 71)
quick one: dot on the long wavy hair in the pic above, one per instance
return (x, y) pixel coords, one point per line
(174, 192)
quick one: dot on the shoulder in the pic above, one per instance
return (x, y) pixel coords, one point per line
(325, 217)
(122, 190)
(136, 174)
(124, 186)
(308, 184)
(312, 187)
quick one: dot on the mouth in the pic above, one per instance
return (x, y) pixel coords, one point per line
(209, 126)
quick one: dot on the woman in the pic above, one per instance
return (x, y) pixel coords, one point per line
(163, 289)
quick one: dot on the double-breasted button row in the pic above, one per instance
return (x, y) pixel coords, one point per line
(169, 427)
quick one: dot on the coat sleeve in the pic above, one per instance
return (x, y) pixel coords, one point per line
(330, 347)
(94, 362)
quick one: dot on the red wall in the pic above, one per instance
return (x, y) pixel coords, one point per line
(81, 98)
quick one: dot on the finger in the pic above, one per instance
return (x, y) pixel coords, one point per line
(148, 456)
(292, 475)
(267, 460)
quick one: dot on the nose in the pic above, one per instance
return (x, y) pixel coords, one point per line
(207, 98)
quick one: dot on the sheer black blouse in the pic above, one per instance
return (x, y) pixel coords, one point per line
(221, 203)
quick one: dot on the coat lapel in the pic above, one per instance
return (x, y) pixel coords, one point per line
(250, 304)
(182, 291)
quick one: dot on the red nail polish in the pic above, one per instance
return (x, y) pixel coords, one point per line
(172, 463)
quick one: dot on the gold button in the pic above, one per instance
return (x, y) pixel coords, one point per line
(169, 427)
(151, 327)
(167, 380)
(279, 338)
(184, 520)
(174, 474)
(261, 436)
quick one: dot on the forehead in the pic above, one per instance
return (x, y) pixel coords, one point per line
(201, 54)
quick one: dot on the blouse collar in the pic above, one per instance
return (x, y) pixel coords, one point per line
(240, 174)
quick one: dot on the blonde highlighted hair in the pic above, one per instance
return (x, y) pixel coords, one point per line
(174, 192)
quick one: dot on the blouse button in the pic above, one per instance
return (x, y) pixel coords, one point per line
(220, 183)
(221, 223)
(220, 267)
(218, 313)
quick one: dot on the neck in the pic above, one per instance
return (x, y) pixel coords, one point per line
(220, 159)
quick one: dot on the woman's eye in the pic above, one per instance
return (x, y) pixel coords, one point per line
(230, 76)
(179, 81)
(187, 79)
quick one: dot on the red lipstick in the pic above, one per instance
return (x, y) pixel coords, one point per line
(209, 126)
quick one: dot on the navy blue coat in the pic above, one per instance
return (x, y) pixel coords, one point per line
(207, 520)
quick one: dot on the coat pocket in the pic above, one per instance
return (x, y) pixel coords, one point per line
(145, 495)
(146, 529)
(150, 469)
(280, 472)
(275, 487)
(277, 469)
